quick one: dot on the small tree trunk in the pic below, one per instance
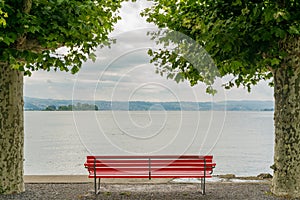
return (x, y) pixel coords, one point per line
(286, 180)
(11, 130)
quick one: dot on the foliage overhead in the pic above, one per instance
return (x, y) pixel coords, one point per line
(3, 15)
(32, 31)
(244, 38)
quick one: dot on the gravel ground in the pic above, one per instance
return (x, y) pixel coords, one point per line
(84, 191)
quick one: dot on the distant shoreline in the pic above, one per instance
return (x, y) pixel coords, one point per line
(36, 104)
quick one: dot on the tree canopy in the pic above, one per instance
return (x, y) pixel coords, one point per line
(251, 40)
(42, 34)
(32, 30)
(244, 38)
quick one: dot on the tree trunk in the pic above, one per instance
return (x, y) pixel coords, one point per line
(11, 130)
(286, 180)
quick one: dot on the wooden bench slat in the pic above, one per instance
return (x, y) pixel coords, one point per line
(153, 156)
(116, 165)
(111, 174)
(153, 175)
(147, 161)
(166, 170)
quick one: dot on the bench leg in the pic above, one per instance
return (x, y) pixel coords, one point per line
(203, 186)
(95, 185)
(99, 184)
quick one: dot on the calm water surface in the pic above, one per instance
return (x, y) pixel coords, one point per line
(57, 142)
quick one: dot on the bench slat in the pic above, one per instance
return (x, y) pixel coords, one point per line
(116, 165)
(153, 175)
(165, 170)
(145, 174)
(173, 173)
(152, 156)
(146, 161)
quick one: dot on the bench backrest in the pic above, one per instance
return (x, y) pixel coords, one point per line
(161, 164)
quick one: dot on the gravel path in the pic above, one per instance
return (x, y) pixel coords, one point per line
(84, 191)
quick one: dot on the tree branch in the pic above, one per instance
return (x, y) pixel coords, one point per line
(27, 6)
(26, 9)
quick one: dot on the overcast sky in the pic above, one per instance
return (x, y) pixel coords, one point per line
(123, 73)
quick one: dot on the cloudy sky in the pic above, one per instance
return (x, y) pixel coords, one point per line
(123, 72)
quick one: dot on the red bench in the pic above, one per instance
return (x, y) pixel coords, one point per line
(162, 166)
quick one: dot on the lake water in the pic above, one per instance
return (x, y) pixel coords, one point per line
(56, 143)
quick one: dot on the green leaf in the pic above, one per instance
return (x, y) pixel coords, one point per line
(178, 78)
(268, 15)
(92, 56)
(294, 30)
(275, 62)
(211, 90)
(279, 32)
(8, 40)
(60, 2)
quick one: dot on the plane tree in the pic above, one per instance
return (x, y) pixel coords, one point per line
(251, 41)
(42, 35)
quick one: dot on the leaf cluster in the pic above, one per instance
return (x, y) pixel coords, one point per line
(3, 15)
(181, 58)
(35, 29)
(243, 37)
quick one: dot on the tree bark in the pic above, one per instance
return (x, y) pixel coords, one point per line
(286, 179)
(11, 130)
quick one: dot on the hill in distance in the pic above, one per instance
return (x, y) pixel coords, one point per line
(43, 104)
